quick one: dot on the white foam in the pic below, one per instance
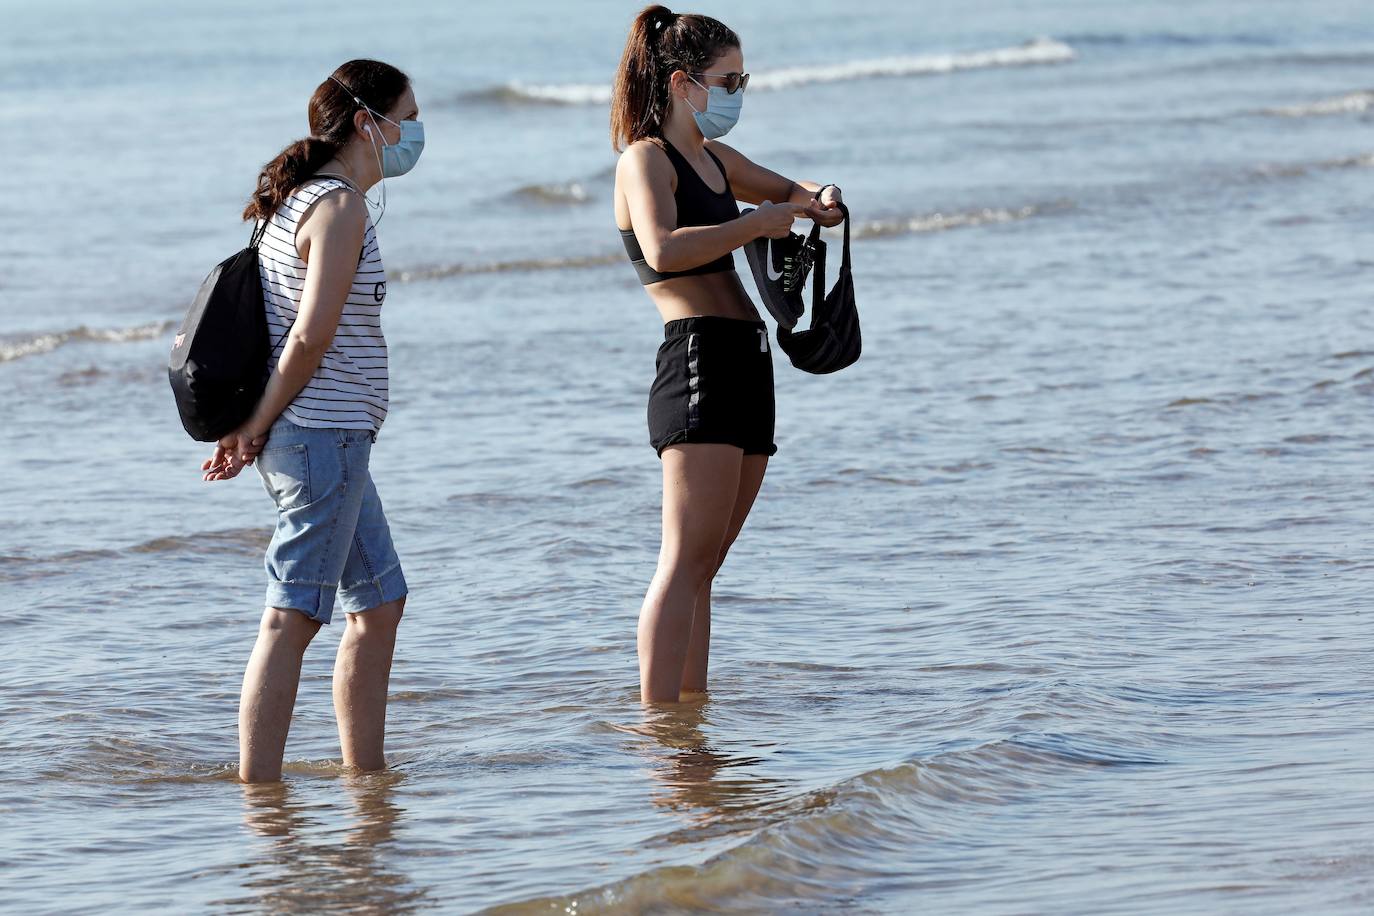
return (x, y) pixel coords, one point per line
(1039, 52)
(1033, 53)
(1350, 103)
(567, 192)
(47, 342)
(940, 222)
(570, 94)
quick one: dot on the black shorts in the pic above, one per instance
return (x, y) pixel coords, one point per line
(714, 384)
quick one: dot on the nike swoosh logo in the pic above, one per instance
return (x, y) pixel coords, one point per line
(772, 274)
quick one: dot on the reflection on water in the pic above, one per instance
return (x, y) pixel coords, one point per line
(302, 861)
(715, 790)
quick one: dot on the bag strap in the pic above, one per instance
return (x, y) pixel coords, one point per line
(817, 279)
(344, 178)
(818, 293)
(259, 230)
(844, 259)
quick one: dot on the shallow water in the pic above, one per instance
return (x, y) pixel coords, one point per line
(1056, 601)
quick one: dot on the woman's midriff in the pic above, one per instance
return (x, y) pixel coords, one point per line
(721, 294)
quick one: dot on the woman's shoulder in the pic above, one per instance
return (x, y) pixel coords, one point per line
(333, 203)
(645, 157)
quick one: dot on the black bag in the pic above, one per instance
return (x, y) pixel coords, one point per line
(218, 367)
(833, 341)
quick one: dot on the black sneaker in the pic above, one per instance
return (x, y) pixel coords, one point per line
(780, 269)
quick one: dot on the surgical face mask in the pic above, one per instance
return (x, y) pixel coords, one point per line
(400, 157)
(395, 159)
(722, 111)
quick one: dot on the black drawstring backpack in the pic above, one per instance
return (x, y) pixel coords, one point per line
(833, 341)
(218, 367)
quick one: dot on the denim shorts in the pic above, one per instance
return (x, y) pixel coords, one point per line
(332, 537)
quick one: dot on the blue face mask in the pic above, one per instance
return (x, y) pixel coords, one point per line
(400, 157)
(395, 159)
(722, 111)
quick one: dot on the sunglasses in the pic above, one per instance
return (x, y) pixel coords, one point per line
(734, 82)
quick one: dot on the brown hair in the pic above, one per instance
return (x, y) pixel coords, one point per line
(660, 42)
(330, 115)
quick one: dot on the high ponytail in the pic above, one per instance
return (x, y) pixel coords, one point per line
(330, 113)
(660, 42)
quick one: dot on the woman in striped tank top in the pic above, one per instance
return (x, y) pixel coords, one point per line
(312, 432)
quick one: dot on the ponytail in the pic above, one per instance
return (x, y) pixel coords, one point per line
(660, 42)
(292, 168)
(369, 83)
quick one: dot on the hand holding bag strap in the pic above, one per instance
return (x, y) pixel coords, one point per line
(820, 301)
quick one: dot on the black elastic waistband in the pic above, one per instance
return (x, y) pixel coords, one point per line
(713, 324)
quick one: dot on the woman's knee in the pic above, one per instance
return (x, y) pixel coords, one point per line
(382, 619)
(287, 625)
(695, 567)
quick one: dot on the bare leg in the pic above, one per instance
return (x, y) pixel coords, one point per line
(362, 671)
(699, 647)
(700, 483)
(269, 692)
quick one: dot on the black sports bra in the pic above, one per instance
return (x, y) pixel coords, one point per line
(697, 205)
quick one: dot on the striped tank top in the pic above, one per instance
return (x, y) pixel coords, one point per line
(349, 389)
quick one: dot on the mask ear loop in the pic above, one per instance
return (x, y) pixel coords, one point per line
(380, 169)
(708, 97)
(380, 207)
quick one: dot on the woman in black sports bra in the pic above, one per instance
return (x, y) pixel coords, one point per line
(680, 86)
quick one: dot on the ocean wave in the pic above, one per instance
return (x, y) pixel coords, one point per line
(938, 221)
(1350, 103)
(559, 193)
(244, 541)
(1167, 39)
(226, 540)
(1278, 61)
(959, 219)
(1038, 52)
(1303, 169)
(521, 93)
(37, 344)
(812, 846)
(517, 265)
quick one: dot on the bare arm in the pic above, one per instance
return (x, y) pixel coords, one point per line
(753, 183)
(329, 238)
(644, 176)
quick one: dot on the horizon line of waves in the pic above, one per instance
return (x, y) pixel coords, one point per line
(938, 221)
(1036, 52)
